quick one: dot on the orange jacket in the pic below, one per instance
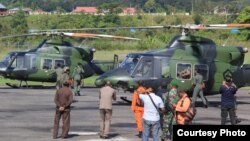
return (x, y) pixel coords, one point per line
(182, 106)
(138, 91)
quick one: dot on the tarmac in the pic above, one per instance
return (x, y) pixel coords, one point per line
(28, 115)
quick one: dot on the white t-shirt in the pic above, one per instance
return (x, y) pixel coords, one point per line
(150, 112)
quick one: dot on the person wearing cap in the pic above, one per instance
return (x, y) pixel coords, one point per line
(65, 75)
(106, 95)
(182, 106)
(77, 76)
(228, 91)
(137, 106)
(168, 116)
(151, 115)
(63, 99)
(59, 72)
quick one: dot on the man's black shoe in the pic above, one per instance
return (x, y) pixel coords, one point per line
(140, 134)
(205, 106)
(238, 121)
(105, 137)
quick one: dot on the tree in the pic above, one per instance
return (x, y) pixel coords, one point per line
(197, 18)
(150, 5)
(244, 16)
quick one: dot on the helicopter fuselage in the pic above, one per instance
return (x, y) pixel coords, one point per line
(179, 61)
(39, 64)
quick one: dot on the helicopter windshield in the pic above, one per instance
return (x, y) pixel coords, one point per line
(130, 62)
(7, 59)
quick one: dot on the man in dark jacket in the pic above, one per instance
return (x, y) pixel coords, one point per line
(63, 99)
(227, 91)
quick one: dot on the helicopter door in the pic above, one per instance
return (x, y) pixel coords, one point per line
(30, 61)
(203, 70)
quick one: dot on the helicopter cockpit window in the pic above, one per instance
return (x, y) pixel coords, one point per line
(184, 71)
(203, 70)
(47, 64)
(129, 63)
(144, 68)
(61, 62)
(7, 59)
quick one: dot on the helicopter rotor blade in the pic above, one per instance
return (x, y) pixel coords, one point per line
(80, 35)
(91, 35)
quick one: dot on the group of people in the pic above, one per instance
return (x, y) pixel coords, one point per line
(147, 116)
(173, 105)
(63, 74)
(64, 96)
(147, 106)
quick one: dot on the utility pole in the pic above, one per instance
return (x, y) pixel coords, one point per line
(192, 7)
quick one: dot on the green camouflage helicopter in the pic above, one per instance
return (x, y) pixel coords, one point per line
(179, 60)
(39, 64)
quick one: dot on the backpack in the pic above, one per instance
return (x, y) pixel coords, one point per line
(190, 113)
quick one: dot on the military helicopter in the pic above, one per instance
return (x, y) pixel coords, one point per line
(39, 63)
(179, 60)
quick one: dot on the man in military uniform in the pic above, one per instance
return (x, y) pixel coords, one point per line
(198, 80)
(77, 76)
(63, 99)
(168, 116)
(65, 75)
(59, 72)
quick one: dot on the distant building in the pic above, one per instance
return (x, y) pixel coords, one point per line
(3, 10)
(87, 10)
(129, 11)
(15, 10)
(38, 12)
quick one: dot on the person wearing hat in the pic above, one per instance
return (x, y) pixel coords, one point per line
(65, 76)
(228, 91)
(59, 72)
(63, 99)
(168, 116)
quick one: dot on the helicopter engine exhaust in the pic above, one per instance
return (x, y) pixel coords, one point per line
(241, 76)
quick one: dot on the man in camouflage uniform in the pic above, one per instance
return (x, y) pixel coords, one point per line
(65, 75)
(77, 76)
(168, 117)
(59, 72)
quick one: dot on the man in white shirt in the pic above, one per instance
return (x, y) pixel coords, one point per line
(151, 116)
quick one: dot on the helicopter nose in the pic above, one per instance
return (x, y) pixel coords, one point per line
(2, 68)
(99, 82)
(115, 77)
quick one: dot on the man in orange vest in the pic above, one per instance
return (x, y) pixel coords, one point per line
(137, 106)
(182, 106)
